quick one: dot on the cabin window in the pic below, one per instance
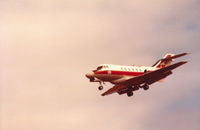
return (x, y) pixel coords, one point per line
(129, 69)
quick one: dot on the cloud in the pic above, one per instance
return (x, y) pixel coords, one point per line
(181, 113)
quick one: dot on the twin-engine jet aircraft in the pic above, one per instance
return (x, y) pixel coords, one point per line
(127, 79)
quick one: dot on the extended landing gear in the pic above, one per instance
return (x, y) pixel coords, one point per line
(145, 86)
(130, 93)
(100, 87)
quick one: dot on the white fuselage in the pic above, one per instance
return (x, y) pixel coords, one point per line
(109, 72)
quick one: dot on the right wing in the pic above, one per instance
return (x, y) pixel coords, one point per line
(149, 77)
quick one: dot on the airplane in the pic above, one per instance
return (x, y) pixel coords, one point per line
(127, 79)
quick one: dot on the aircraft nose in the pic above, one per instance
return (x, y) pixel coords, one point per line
(89, 75)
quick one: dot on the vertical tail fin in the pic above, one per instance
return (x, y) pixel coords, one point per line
(165, 61)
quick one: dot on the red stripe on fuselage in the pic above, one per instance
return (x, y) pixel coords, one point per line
(101, 72)
(116, 72)
(128, 73)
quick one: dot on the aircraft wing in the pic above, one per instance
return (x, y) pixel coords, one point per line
(149, 78)
(114, 89)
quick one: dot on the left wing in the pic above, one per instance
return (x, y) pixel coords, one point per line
(114, 89)
(149, 78)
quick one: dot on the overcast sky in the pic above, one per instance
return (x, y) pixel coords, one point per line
(47, 46)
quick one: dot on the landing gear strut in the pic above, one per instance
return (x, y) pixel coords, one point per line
(145, 86)
(130, 93)
(100, 87)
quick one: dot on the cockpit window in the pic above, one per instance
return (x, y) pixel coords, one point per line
(98, 68)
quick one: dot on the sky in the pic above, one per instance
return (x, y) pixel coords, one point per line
(47, 47)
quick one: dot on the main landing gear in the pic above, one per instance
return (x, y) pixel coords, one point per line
(130, 93)
(145, 86)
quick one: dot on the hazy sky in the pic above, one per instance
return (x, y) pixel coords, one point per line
(47, 46)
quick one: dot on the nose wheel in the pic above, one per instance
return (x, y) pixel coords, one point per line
(100, 87)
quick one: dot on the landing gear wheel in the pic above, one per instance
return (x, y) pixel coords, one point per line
(129, 93)
(100, 87)
(146, 87)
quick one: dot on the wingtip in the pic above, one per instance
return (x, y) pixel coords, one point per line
(102, 94)
(187, 53)
(183, 62)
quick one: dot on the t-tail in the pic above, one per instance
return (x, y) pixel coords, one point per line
(167, 59)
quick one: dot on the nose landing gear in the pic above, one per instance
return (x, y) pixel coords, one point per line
(100, 87)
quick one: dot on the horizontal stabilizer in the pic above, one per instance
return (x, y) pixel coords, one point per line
(167, 60)
(175, 56)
